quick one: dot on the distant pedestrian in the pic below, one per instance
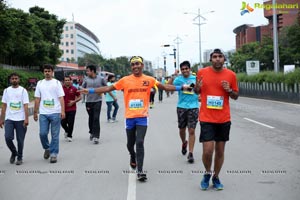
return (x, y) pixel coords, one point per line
(49, 101)
(72, 96)
(15, 113)
(93, 101)
(111, 100)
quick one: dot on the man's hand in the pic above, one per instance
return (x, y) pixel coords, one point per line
(226, 86)
(83, 91)
(26, 122)
(63, 115)
(35, 116)
(1, 123)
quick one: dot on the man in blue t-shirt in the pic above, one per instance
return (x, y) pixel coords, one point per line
(187, 109)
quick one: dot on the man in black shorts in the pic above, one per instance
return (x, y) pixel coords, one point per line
(187, 109)
(215, 84)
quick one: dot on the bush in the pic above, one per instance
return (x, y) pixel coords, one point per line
(24, 76)
(271, 77)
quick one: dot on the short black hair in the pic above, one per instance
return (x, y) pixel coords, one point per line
(110, 77)
(185, 63)
(92, 67)
(14, 74)
(48, 66)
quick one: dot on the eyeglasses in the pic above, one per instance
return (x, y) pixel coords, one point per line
(185, 68)
(217, 56)
(136, 63)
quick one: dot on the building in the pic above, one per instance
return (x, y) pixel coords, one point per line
(288, 11)
(76, 41)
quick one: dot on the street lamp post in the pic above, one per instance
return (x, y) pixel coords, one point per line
(173, 54)
(199, 16)
(275, 39)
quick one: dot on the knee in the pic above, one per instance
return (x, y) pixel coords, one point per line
(140, 144)
(208, 153)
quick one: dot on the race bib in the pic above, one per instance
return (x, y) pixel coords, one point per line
(215, 102)
(136, 104)
(48, 103)
(16, 106)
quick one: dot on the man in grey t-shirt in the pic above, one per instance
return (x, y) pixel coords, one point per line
(93, 101)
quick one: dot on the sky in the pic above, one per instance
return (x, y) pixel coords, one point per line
(141, 27)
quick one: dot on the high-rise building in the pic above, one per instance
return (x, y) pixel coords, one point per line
(76, 41)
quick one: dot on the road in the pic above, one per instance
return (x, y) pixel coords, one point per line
(262, 159)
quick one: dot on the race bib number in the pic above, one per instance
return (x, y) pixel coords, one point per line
(48, 103)
(136, 104)
(215, 102)
(16, 106)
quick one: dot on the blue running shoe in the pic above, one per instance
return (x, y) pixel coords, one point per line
(205, 182)
(217, 184)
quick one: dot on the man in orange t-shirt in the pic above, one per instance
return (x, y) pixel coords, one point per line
(136, 87)
(215, 85)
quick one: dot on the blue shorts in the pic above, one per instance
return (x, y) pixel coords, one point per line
(131, 123)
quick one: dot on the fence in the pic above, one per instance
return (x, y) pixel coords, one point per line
(272, 91)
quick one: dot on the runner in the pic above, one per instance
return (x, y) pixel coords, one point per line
(187, 109)
(215, 84)
(136, 89)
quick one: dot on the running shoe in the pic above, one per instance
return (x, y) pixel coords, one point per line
(205, 182)
(46, 154)
(217, 183)
(12, 159)
(183, 148)
(96, 140)
(53, 159)
(132, 162)
(141, 177)
(69, 139)
(190, 158)
(19, 162)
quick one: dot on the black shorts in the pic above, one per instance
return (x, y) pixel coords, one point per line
(187, 117)
(214, 131)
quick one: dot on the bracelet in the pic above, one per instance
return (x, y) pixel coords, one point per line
(178, 88)
(92, 90)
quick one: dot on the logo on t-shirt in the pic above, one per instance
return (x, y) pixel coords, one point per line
(146, 83)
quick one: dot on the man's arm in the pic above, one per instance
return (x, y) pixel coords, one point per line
(37, 101)
(2, 117)
(98, 90)
(26, 121)
(62, 105)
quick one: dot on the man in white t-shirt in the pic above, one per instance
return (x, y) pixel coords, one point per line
(15, 113)
(49, 100)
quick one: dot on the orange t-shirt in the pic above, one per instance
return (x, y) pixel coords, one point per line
(136, 94)
(214, 99)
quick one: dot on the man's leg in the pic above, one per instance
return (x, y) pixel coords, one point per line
(208, 150)
(140, 136)
(219, 157)
(109, 106)
(44, 130)
(71, 120)
(131, 136)
(116, 108)
(96, 119)
(9, 137)
(55, 129)
(20, 134)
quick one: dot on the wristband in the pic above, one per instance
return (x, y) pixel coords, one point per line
(178, 88)
(92, 90)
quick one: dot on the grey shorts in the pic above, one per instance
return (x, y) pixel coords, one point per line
(187, 117)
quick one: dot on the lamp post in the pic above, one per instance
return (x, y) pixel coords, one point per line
(174, 53)
(199, 16)
(275, 39)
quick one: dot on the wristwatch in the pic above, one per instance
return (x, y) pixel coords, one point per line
(230, 91)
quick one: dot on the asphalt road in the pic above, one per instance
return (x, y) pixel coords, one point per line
(262, 159)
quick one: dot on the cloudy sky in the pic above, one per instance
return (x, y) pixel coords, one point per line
(140, 27)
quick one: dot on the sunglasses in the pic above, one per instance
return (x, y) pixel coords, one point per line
(217, 56)
(185, 68)
(136, 63)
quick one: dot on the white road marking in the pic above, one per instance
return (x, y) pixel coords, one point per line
(251, 120)
(131, 192)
